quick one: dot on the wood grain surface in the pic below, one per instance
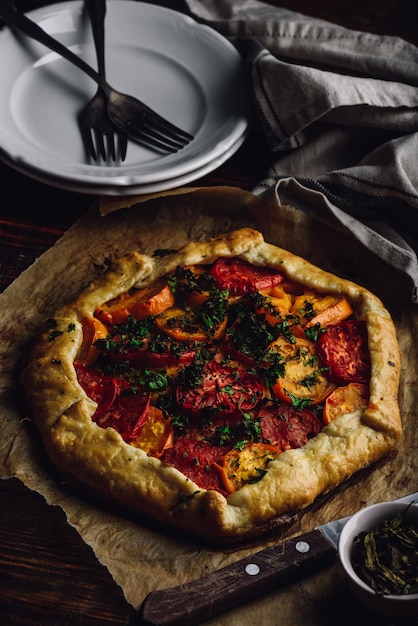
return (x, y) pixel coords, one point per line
(48, 575)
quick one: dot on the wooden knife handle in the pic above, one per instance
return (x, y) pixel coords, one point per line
(199, 600)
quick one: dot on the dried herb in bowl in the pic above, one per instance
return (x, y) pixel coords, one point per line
(386, 558)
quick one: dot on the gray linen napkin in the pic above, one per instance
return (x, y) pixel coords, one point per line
(339, 108)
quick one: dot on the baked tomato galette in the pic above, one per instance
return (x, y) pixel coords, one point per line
(218, 387)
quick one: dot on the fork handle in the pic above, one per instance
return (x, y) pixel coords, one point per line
(13, 17)
(97, 13)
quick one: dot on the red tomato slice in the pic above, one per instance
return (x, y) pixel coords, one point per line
(142, 356)
(164, 360)
(222, 428)
(343, 348)
(99, 388)
(240, 277)
(154, 360)
(196, 459)
(125, 412)
(287, 427)
(224, 388)
(231, 352)
(127, 415)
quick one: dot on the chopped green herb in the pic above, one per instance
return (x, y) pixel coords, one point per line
(252, 427)
(313, 332)
(308, 311)
(182, 498)
(299, 403)
(259, 475)
(54, 334)
(222, 435)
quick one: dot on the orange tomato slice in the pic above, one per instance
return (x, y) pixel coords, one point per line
(332, 314)
(93, 329)
(277, 304)
(313, 308)
(345, 400)
(197, 298)
(303, 378)
(156, 434)
(292, 287)
(181, 325)
(140, 304)
(239, 467)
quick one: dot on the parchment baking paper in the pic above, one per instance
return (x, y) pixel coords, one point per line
(140, 558)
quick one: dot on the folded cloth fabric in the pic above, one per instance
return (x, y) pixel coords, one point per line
(339, 108)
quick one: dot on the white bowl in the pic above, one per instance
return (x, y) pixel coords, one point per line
(365, 520)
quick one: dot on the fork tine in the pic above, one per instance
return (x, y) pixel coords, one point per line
(88, 142)
(168, 140)
(133, 117)
(123, 145)
(169, 129)
(97, 147)
(100, 144)
(150, 141)
(161, 139)
(110, 137)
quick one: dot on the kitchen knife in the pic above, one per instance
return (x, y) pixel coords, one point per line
(246, 579)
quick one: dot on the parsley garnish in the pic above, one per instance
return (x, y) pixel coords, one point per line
(183, 281)
(259, 475)
(314, 332)
(182, 498)
(54, 334)
(250, 333)
(154, 380)
(192, 375)
(308, 311)
(252, 427)
(312, 379)
(275, 368)
(222, 435)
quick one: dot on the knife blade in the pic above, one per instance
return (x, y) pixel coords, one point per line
(246, 579)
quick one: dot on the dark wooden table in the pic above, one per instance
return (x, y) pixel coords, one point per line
(48, 575)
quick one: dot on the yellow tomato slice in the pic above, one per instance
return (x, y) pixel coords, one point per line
(93, 329)
(345, 400)
(156, 435)
(140, 304)
(181, 325)
(303, 378)
(239, 467)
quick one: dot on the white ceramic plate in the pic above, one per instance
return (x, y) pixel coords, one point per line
(122, 190)
(186, 71)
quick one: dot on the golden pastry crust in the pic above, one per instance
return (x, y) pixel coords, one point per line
(112, 468)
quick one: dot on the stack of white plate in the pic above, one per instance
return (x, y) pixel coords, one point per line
(185, 71)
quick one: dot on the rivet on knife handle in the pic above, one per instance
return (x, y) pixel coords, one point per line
(199, 600)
